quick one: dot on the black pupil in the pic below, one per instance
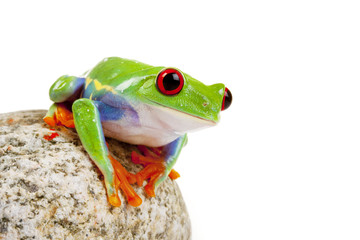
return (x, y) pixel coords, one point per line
(171, 81)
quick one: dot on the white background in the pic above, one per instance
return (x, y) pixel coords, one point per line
(284, 162)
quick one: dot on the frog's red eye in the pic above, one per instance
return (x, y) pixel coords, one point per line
(226, 99)
(169, 81)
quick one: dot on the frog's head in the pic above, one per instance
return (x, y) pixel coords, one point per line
(188, 99)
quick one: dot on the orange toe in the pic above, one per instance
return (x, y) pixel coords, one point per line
(123, 177)
(150, 186)
(50, 121)
(64, 116)
(144, 160)
(153, 170)
(173, 174)
(114, 199)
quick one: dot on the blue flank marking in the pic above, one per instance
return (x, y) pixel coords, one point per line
(113, 107)
(108, 113)
(79, 83)
(87, 91)
(173, 149)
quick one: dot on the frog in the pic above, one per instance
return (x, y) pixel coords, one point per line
(152, 107)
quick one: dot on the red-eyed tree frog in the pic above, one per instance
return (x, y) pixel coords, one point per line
(152, 107)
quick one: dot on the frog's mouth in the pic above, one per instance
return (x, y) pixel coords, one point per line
(181, 115)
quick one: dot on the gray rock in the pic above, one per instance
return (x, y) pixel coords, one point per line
(52, 189)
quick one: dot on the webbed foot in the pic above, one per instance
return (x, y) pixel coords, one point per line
(59, 115)
(122, 180)
(154, 168)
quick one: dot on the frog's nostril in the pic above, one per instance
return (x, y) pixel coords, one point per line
(226, 100)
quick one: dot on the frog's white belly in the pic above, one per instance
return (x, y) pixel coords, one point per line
(157, 126)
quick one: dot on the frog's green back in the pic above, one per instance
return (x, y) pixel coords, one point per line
(112, 69)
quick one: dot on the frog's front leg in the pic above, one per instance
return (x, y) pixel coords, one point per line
(88, 125)
(158, 163)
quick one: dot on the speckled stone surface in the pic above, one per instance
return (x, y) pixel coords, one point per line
(52, 189)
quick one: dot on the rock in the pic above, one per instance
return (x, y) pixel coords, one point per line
(50, 189)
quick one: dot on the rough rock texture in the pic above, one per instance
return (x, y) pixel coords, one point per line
(52, 190)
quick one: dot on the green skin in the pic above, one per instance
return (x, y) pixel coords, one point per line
(132, 87)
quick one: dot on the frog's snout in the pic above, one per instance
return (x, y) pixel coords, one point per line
(226, 99)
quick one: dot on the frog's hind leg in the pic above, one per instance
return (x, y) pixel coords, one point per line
(66, 89)
(158, 164)
(63, 92)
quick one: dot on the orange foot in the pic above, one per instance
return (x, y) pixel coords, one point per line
(123, 179)
(154, 168)
(62, 116)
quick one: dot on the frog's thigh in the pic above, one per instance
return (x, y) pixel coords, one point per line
(65, 88)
